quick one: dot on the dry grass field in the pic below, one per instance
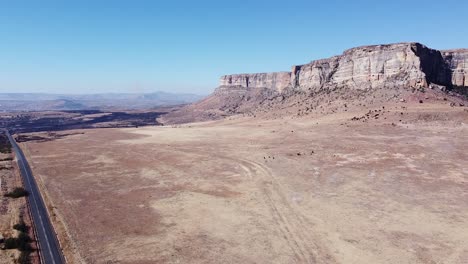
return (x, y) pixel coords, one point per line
(391, 188)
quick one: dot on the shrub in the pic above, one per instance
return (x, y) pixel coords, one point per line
(17, 193)
(24, 257)
(5, 149)
(5, 146)
(11, 243)
(21, 242)
(22, 227)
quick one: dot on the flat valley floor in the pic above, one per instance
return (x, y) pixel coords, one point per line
(252, 190)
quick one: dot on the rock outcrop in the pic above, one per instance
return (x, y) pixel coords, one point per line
(360, 76)
(277, 81)
(410, 65)
(406, 64)
(457, 60)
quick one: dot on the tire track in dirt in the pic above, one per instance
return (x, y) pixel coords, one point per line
(277, 216)
(291, 224)
(294, 228)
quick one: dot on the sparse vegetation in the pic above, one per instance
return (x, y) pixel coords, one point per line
(65, 120)
(24, 257)
(17, 193)
(22, 227)
(5, 146)
(22, 243)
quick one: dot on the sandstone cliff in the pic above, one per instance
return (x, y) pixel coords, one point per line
(360, 76)
(277, 81)
(405, 64)
(410, 65)
(457, 61)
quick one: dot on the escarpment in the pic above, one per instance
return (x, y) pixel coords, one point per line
(457, 61)
(360, 76)
(410, 65)
(277, 81)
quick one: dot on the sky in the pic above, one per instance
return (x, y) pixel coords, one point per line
(138, 46)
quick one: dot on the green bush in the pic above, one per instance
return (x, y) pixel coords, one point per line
(17, 193)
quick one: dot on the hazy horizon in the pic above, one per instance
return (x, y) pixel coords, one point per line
(103, 93)
(90, 47)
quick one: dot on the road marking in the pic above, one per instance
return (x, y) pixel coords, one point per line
(37, 208)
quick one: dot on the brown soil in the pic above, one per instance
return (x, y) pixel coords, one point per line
(386, 188)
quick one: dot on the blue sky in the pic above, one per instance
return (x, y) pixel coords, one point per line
(184, 46)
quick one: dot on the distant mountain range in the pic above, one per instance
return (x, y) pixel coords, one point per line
(108, 101)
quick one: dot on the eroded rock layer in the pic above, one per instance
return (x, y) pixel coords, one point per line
(274, 80)
(403, 64)
(359, 77)
(457, 60)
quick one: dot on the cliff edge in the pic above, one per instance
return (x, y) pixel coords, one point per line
(411, 65)
(387, 71)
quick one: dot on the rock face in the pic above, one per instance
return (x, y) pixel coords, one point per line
(403, 64)
(277, 81)
(412, 65)
(363, 75)
(457, 61)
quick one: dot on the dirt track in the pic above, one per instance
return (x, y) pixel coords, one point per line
(306, 190)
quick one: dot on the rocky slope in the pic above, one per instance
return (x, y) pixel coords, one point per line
(395, 68)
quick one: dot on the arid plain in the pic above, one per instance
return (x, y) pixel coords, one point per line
(385, 189)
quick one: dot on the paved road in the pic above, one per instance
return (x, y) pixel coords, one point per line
(48, 243)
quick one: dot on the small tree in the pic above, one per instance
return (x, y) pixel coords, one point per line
(22, 227)
(24, 257)
(11, 243)
(23, 242)
(17, 193)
